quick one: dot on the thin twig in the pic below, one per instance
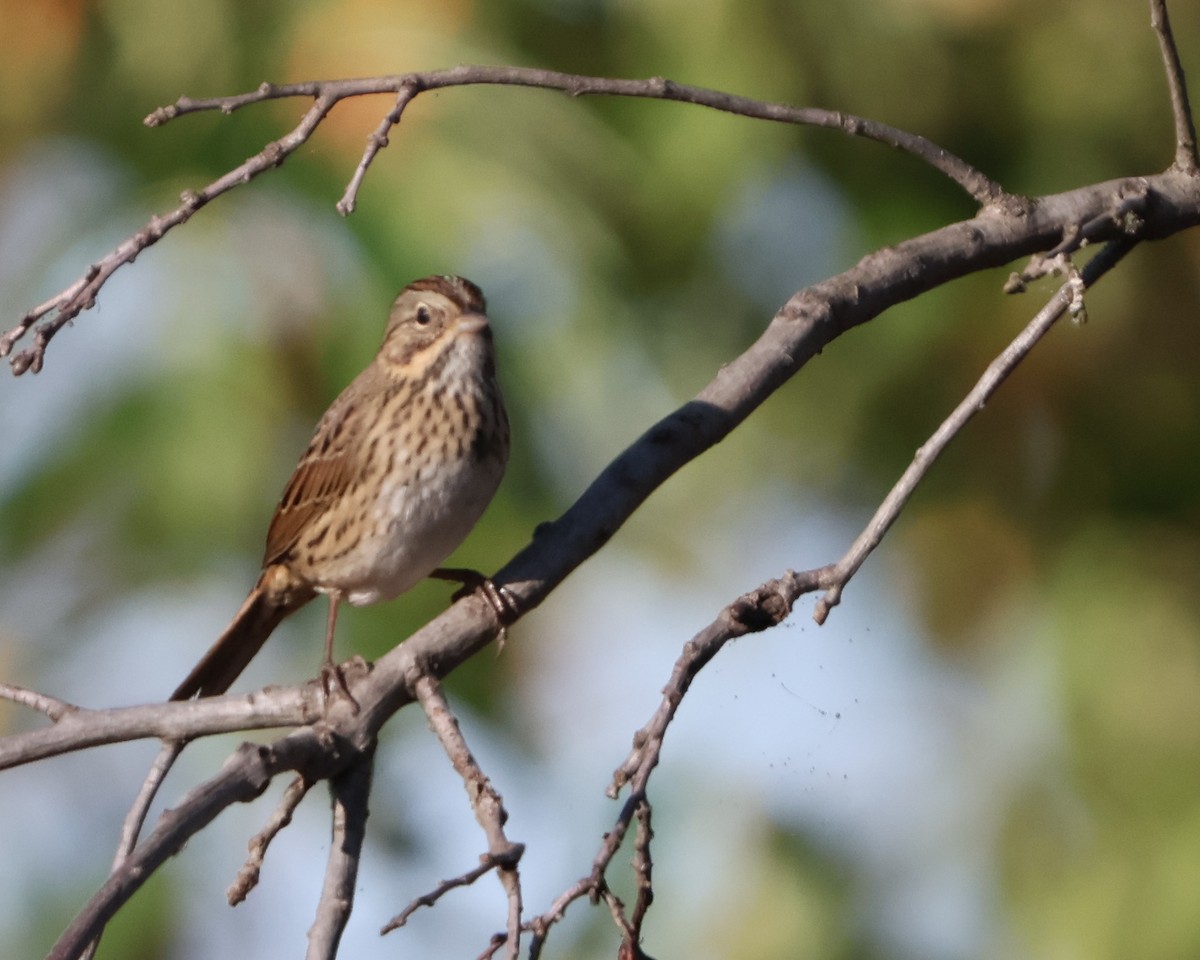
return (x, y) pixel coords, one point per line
(136, 817)
(616, 908)
(247, 877)
(52, 707)
(131, 827)
(643, 867)
(376, 142)
(1068, 297)
(485, 800)
(760, 609)
(351, 793)
(486, 864)
(593, 885)
(81, 295)
(1186, 159)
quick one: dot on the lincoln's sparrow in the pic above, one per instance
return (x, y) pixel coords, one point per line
(399, 470)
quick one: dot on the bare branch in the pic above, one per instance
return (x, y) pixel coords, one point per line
(310, 751)
(486, 865)
(617, 909)
(81, 294)
(376, 142)
(643, 868)
(594, 885)
(485, 801)
(52, 707)
(758, 610)
(134, 820)
(1068, 297)
(131, 828)
(410, 85)
(1186, 159)
(77, 728)
(351, 792)
(247, 877)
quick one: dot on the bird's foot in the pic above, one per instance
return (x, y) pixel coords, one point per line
(333, 682)
(502, 601)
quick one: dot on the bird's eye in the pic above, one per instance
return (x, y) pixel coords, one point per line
(423, 315)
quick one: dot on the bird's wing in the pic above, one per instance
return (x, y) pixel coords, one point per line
(328, 468)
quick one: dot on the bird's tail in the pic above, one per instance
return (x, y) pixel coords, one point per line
(274, 597)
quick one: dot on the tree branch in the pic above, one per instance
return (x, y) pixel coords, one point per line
(312, 751)
(247, 877)
(409, 85)
(643, 871)
(1186, 159)
(351, 791)
(52, 707)
(758, 610)
(78, 728)
(1069, 296)
(81, 295)
(488, 805)
(486, 865)
(753, 612)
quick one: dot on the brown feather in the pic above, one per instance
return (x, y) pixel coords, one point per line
(325, 472)
(273, 598)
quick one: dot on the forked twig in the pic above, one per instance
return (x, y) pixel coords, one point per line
(486, 864)
(52, 707)
(753, 612)
(489, 810)
(247, 877)
(1068, 297)
(80, 295)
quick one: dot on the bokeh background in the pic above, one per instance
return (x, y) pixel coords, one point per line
(993, 747)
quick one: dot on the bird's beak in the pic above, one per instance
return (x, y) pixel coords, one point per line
(472, 322)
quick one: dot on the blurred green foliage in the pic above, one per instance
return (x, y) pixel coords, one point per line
(626, 257)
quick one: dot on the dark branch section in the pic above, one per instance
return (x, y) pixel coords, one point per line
(335, 742)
